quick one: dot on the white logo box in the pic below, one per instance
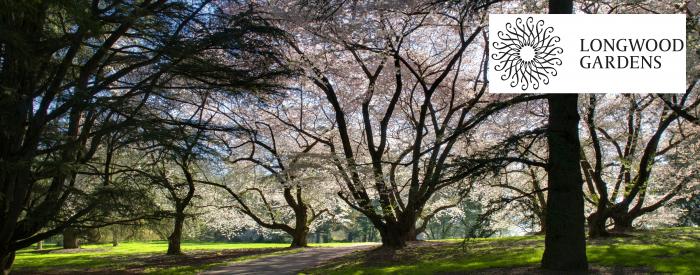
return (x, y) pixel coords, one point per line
(587, 53)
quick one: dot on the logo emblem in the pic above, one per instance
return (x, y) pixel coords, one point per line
(527, 53)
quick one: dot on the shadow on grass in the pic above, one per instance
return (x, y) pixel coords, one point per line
(669, 250)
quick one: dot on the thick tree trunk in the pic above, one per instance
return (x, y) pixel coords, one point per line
(70, 238)
(6, 260)
(596, 225)
(395, 235)
(623, 223)
(175, 238)
(565, 241)
(299, 237)
(392, 238)
(300, 231)
(412, 233)
(39, 245)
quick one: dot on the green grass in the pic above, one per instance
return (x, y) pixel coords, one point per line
(129, 254)
(674, 250)
(666, 250)
(96, 255)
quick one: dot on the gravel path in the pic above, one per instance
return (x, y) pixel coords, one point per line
(287, 264)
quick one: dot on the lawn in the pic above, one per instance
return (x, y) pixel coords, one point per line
(145, 257)
(674, 250)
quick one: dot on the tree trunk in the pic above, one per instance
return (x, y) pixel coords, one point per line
(596, 225)
(115, 238)
(176, 237)
(6, 259)
(395, 235)
(412, 233)
(40, 245)
(70, 238)
(623, 223)
(299, 237)
(392, 239)
(565, 241)
(300, 231)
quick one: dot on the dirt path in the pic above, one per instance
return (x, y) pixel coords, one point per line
(287, 264)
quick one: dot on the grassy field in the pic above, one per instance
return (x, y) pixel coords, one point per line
(674, 250)
(145, 257)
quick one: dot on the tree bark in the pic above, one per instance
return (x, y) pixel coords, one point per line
(395, 234)
(596, 225)
(115, 238)
(393, 237)
(300, 231)
(7, 258)
(623, 223)
(565, 240)
(70, 238)
(299, 237)
(175, 238)
(39, 245)
(412, 233)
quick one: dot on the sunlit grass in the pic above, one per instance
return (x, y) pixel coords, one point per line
(99, 255)
(521, 257)
(675, 250)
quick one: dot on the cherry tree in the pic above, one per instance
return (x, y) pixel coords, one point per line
(633, 142)
(394, 93)
(280, 194)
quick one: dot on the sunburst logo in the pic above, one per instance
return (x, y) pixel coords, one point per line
(527, 53)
